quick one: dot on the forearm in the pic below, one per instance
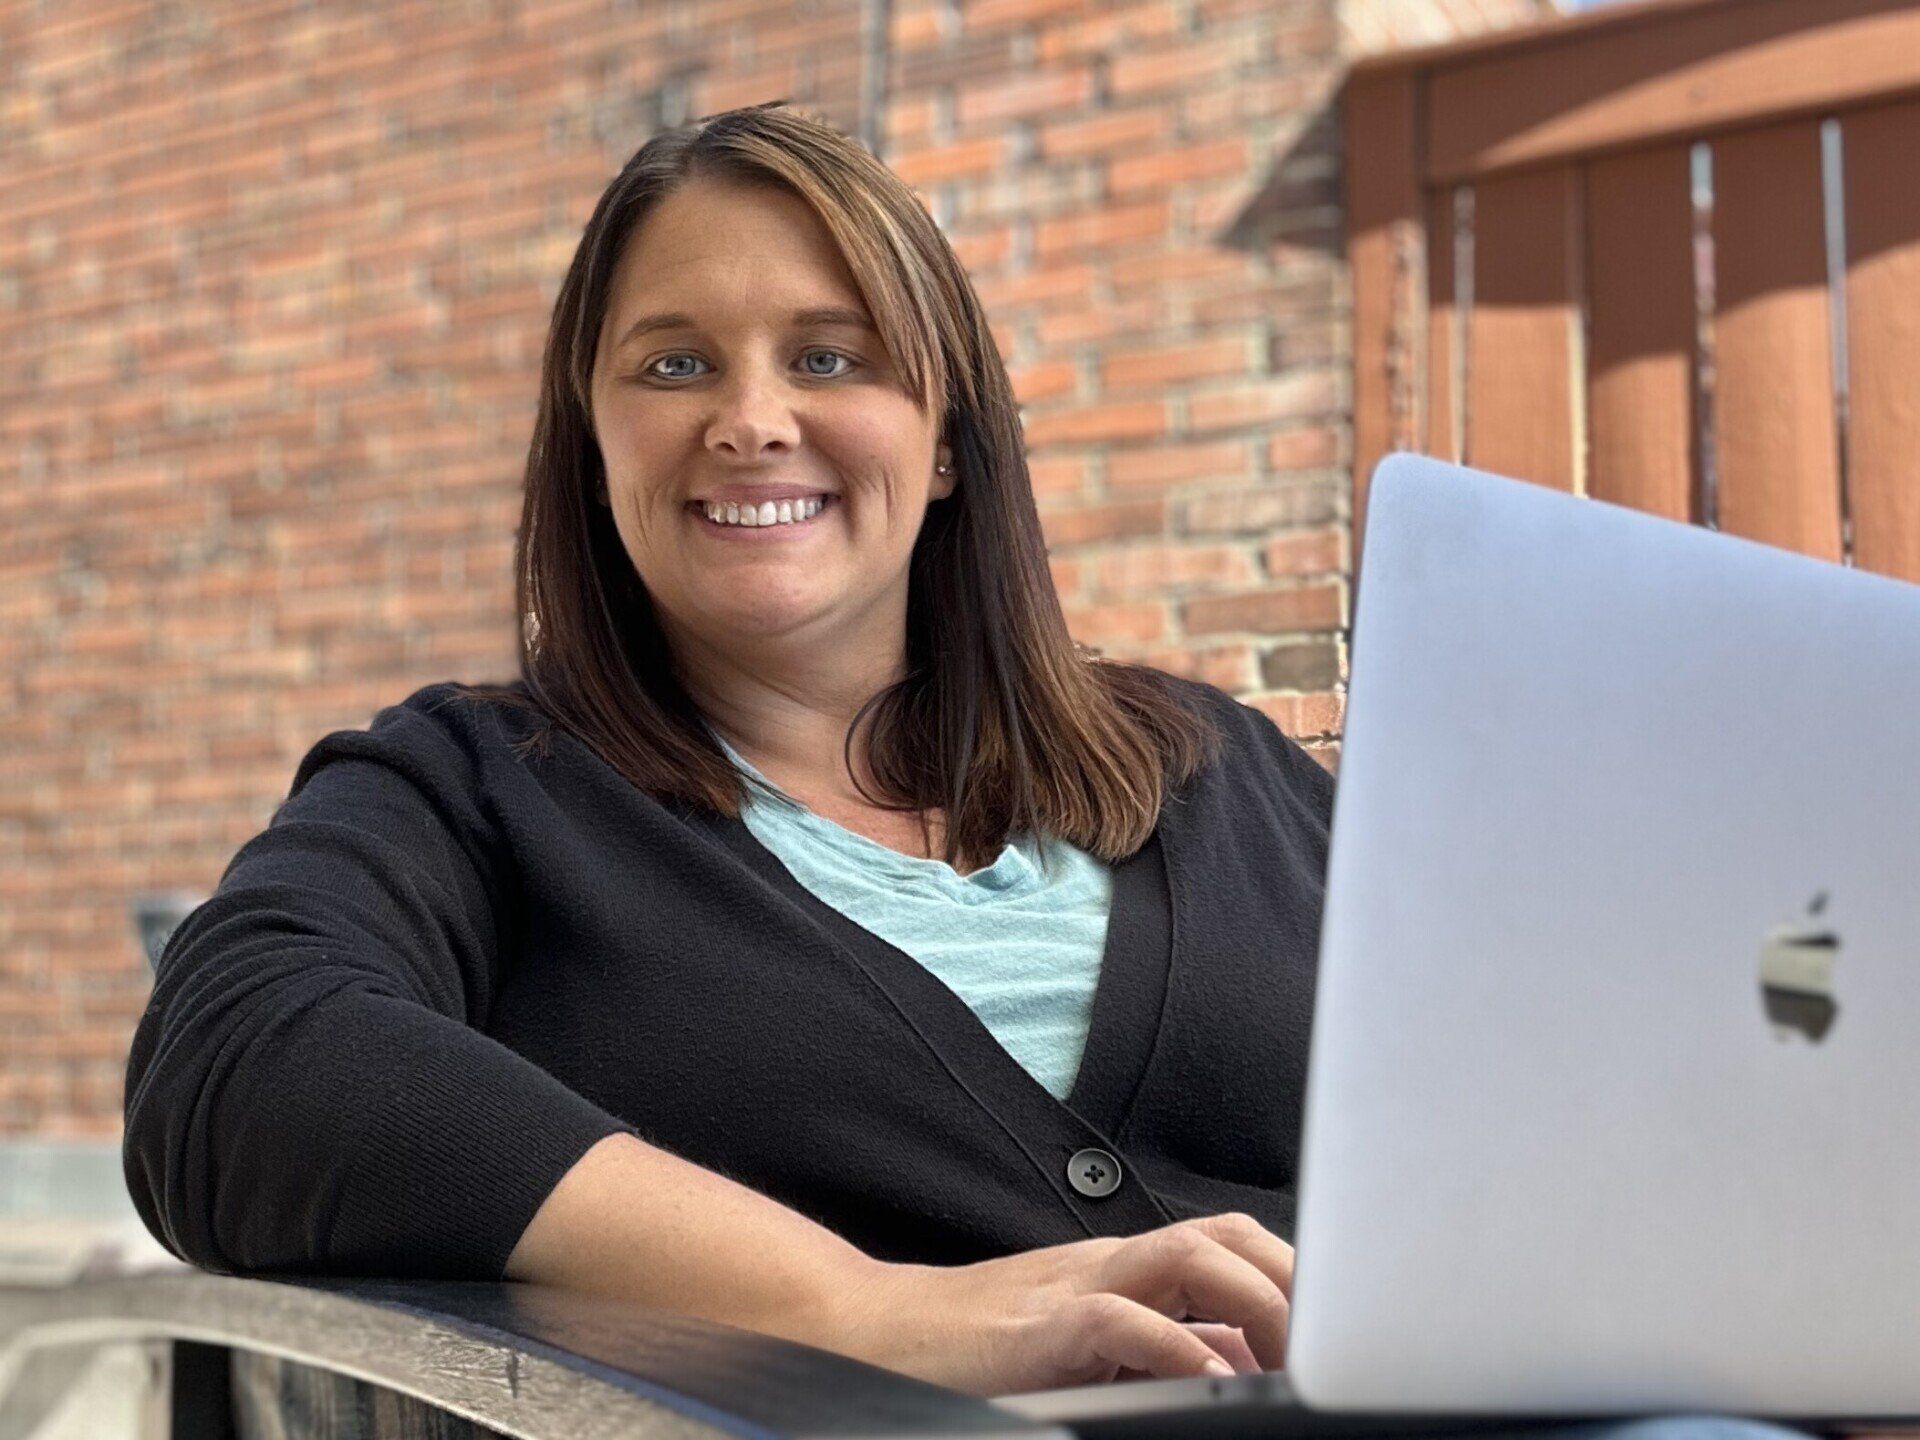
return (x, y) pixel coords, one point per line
(636, 1221)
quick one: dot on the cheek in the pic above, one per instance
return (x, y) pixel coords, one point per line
(884, 442)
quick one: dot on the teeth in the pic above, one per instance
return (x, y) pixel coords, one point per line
(768, 512)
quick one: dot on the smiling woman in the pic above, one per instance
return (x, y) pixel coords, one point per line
(760, 314)
(814, 938)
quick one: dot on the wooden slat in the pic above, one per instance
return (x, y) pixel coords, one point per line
(1520, 334)
(1658, 77)
(1883, 336)
(1439, 436)
(1382, 199)
(1640, 318)
(1774, 426)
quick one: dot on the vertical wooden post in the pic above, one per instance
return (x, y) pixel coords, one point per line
(1385, 257)
(1523, 353)
(1641, 307)
(1779, 465)
(1883, 337)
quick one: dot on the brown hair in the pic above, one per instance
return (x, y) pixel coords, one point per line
(1001, 721)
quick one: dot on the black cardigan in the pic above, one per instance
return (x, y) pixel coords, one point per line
(442, 973)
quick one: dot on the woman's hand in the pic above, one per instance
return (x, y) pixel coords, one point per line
(1080, 1314)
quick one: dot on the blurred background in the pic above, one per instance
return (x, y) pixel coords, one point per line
(275, 278)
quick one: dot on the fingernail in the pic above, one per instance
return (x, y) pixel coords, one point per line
(1219, 1367)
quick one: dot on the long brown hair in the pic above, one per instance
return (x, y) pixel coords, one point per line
(1001, 720)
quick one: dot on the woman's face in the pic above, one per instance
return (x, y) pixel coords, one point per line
(713, 382)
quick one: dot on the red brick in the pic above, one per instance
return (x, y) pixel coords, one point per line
(1112, 228)
(1111, 31)
(1133, 419)
(1187, 263)
(1303, 449)
(1113, 520)
(1164, 169)
(1230, 667)
(979, 156)
(1204, 64)
(109, 637)
(1256, 508)
(1117, 133)
(1067, 573)
(979, 249)
(916, 27)
(993, 102)
(1266, 612)
(1043, 382)
(1159, 466)
(909, 118)
(1304, 395)
(1323, 713)
(1117, 624)
(1057, 474)
(978, 15)
(1140, 569)
(1154, 366)
(1074, 327)
(1314, 552)
(728, 90)
(1071, 283)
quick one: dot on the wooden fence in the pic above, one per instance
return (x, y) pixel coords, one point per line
(1665, 255)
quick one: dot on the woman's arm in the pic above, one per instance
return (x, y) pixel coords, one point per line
(638, 1222)
(310, 1089)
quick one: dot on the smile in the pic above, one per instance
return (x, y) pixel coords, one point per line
(769, 515)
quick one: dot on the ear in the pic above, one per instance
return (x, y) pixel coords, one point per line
(942, 485)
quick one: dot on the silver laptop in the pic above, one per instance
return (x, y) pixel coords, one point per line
(1613, 1096)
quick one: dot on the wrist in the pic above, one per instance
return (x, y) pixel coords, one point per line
(857, 1312)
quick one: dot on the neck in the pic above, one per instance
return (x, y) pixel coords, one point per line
(787, 707)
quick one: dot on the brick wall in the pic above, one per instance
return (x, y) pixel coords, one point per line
(273, 290)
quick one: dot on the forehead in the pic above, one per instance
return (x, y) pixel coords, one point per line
(727, 241)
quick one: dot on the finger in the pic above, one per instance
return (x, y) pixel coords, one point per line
(1229, 1343)
(1129, 1335)
(1247, 1237)
(1182, 1271)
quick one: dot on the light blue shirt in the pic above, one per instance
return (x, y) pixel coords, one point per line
(1021, 946)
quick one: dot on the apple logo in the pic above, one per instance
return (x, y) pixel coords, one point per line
(1796, 976)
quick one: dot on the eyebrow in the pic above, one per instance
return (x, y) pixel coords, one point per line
(820, 315)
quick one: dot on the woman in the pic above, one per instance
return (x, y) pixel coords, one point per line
(813, 939)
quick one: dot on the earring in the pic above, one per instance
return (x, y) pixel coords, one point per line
(943, 469)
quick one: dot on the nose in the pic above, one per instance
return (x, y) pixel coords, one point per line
(753, 417)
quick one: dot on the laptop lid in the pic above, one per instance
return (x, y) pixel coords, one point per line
(1613, 1095)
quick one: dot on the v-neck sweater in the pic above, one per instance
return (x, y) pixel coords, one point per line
(1020, 940)
(445, 970)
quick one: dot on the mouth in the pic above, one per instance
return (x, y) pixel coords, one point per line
(772, 517)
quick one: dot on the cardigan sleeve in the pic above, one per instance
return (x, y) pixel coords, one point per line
(308, 1090)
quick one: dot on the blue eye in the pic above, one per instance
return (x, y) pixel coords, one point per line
(834, 354)
(685, 375)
